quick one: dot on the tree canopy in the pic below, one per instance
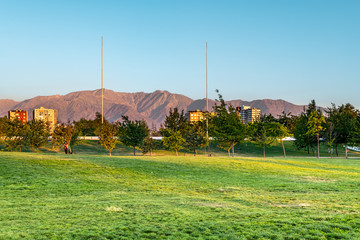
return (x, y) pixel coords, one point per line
(226, 126)
(133, 133)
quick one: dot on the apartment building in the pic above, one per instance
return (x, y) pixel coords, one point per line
(49, 116)
(18, 114)
(195, 116)
(248, 114)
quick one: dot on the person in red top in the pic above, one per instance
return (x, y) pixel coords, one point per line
(66, 148)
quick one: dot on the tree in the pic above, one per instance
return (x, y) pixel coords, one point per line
(226, 127)
(88, 127)
(346, 124)
(331, 134)
(267, 118)
(106, 133)
(173, 140)
(288, 120)
(303, 139)
(63, 134)
(37, 135)
(14, 135)
(133, 133)
(175, 121)
(148, 145)
(266, 133)
(315, 125)
(3, 123)
(195, 137)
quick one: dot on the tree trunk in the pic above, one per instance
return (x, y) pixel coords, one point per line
(346, 151)
(233, 153)
(194, 151)
(282, 142)
(318, 148)
(134, 151)
(229, 151)
(176, 152)
(337, 154)
(264, 150)
(331, 152)
(110, 153)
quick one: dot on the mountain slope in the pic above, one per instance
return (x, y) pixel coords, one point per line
(151, 107)
(6, 105)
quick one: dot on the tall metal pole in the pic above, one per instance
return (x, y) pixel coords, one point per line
(102, 82)
(207, 97)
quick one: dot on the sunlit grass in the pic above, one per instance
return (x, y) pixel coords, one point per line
(55, 196)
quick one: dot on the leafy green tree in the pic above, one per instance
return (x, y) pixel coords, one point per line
(175, 121)
(86, 127)
(266, 133)
(133, 133)
(3, 124)
(149, 145)
(346, 125)
(226, 126)
(288, 121)
(37, 135)
(62, 134)
(303, 138)
(267, 118)
(173, 140)
(331, 134)
(15, 132)
(106, 133)
(195, 137)
(315, 125)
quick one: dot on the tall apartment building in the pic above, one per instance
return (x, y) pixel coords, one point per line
(195, 116)
(18, 114)
(49, 116)
(248, 114)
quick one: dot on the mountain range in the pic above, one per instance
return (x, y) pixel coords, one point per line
(152, 107)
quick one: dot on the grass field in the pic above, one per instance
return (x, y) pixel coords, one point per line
(87, 196)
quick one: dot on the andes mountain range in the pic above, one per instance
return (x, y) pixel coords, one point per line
(151, 107)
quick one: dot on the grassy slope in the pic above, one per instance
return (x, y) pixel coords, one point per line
(53, 196)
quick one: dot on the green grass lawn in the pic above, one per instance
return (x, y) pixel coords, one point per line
(57, 196)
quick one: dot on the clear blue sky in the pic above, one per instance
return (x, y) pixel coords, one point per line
(291, 50)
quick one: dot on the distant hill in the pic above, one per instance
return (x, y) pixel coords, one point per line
(6, 105)
(151, 107)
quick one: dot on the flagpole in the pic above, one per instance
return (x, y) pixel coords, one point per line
(102, 82)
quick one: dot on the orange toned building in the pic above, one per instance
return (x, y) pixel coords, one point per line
(18, 114)
(196, 116)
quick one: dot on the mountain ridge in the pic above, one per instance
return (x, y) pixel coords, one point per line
(151, 107)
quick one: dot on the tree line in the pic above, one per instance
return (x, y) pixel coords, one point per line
(335, 126)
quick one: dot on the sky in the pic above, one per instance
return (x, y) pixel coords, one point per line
(295, 50)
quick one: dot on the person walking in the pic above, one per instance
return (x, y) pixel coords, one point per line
(66, 148)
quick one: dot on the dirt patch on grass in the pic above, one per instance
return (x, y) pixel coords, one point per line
(316, 179)
(114, 209)
(211, 204)
(296, 205)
